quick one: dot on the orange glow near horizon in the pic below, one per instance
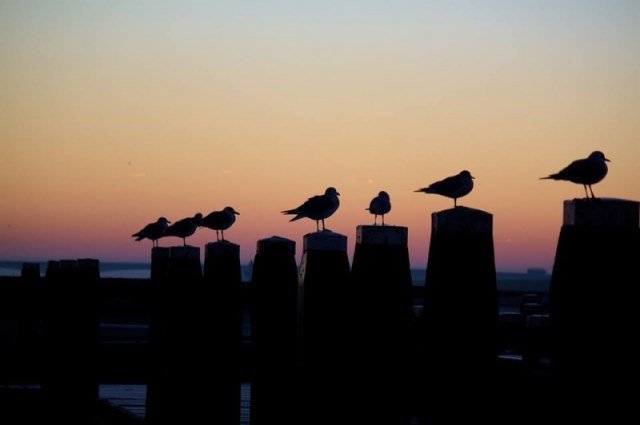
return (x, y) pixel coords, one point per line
(113, 116)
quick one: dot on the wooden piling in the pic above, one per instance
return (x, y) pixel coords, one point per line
(274, 309)
(70, 383)
(29, 315)
(29, 310)
(222, 327)
(382, 314)
(459, 322)
(593, 306)
(174, 391)
(323, 282)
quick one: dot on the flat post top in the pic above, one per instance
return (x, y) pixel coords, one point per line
(381, 235)
(186, 252)
(325, 240)
(31, 267)
(221, 248)
(608, 212)
(462, 220)
(276, 244)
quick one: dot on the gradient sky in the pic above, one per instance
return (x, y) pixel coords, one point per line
(113, 113)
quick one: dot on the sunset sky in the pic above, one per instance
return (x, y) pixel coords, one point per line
(114, 113)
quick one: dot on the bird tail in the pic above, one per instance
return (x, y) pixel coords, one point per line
(550, 177)
(138, 236)
(424, 190)
(367, 209)
(293, 211)
(298, 217)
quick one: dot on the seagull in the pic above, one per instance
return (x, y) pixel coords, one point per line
(380, 205)
(220, 220)
(317, 208)
(586, 171)
(452, 187)
(153, 231)
(185, 227)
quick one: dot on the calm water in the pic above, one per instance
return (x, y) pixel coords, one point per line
(132, 398)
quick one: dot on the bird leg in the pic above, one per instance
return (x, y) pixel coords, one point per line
(455, 202)
(323, 228)
(592, 195)
(184, 242)
(317, 226)
(222, 232)
(585, 191)
(375, 219)
(383, 219)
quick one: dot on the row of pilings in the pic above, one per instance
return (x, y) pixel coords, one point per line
(340, 344)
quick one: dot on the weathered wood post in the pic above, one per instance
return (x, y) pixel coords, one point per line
(157, 387)
(29, 313)
(174, 394)
(70, 381)
(382, 314)
(28, 307)
(593, 306)
(274, 309)
(460, 314)
(30, 271)
(221, 352)
(323, 287)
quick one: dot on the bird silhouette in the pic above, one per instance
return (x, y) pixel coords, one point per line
(452, 187)
(586, 171)
(185, 227)
(317, 207)
(220, 220)
(153, 231)
(380, 205)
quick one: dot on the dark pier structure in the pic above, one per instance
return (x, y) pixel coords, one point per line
(323, 328)
(382, 315)
(274, 308)
(594, 311)
(458, 344)
(331, 342)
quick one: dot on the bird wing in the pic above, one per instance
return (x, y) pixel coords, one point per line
(317, 204)
(573, 170)
(143, 232)
(177, 227)
(313, 204)
(216, 218)
(447, 185)
(374, 205)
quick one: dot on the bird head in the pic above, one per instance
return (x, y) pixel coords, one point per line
(163, 220)
(599, 156)
(383, 194)
(331, 191)
(197, 218)
(230, 210)
(466, 174)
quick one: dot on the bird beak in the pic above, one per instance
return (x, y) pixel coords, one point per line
(338, 193)
(236, 213)
(473, 177)
(607, 160)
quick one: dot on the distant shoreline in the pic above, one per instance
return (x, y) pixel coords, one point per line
(534, 280)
